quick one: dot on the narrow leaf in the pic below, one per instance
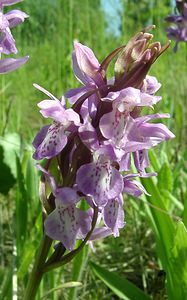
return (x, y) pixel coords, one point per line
(70, 284)
(178, 285)
(123, 288)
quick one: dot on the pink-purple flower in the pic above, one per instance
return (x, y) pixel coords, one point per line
(7, 42)
(94, 142)
(52, 139)
(178, 29)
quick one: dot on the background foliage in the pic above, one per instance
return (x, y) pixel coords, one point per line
(149, 258)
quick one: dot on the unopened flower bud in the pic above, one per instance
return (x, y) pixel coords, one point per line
(132, 53)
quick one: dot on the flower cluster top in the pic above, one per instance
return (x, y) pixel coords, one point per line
(7, 43)
(178, 30)
(93, 143)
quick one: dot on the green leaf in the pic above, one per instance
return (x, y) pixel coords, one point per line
(184, 215)
(165, 178)
(178, 285)
(77, 269)
(70, 284)
(154, 161)
(6, 285)
(31, 178)
(7, 180)
(21, 208)
(123, 288)
(26, 261)
(11, 144)
(163, 224)
(170, 201)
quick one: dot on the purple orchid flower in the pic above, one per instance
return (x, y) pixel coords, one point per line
(126, 99)
(178, 29)
(66, 222)
(141, 135)
(133, 134)
(52, 139)
(7, 21)
(97, 138)
(87, 70)
(86, 66)
(99, 180)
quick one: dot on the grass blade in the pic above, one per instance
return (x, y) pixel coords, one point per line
(123, 288)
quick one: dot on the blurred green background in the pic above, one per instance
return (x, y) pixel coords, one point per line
(147, 243)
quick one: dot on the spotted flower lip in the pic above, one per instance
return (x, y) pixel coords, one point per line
(64, 224)
(49, 141)
(52, 139)
(114, 215)
(66, 221)
(99, 180)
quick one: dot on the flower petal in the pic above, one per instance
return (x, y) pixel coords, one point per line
(88, 136)
(51, 96)
(99, 180)
(140, 135)
(74, 94)
(15, 17)
(130, 97)
(62, 224)
(86, 65)
(9, 2)
(100, 233)
(134, 188)
(10, 64)
(49, 177)
(141, 160)
(7, 42)
(52, 109)
(40, 136)
(50, 144)
(114, 216)
(112, 125)
(66, 196)
(150, 85)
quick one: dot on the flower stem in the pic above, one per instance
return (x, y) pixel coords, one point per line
(37, 273)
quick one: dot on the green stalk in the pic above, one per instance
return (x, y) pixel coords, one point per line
(37, 273)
